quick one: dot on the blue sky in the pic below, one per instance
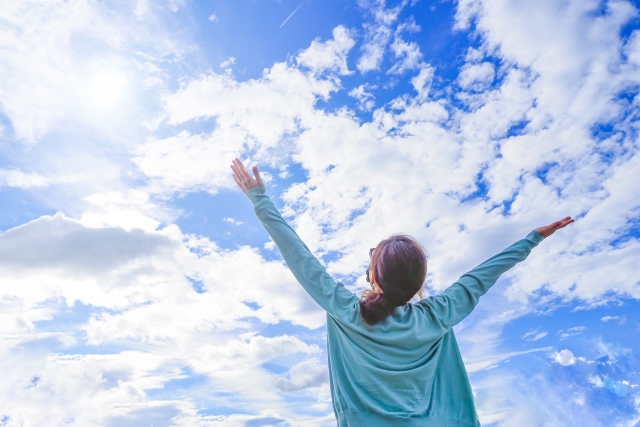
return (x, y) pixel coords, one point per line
(138, 288)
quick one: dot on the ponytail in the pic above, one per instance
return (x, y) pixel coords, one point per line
(375, 307)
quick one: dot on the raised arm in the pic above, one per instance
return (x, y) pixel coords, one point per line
(332, 296)
(459, 300)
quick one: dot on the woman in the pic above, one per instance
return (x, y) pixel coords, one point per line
(391, 362)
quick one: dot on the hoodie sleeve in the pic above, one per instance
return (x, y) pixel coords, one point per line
(332, 296)
(459, 299)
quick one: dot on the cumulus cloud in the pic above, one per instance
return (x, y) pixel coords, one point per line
(366, 100)
(228, 62)
(175, 163)
(330, 55)
(250, 117)
(114, 268)
(441, 169)
(422, 82)
(377, 33)
(307, 374)
(142, 280)
(408, 55)
(476, 77)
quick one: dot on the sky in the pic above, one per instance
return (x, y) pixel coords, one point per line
(137, 288)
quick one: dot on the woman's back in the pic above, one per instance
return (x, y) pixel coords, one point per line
(403, 369)
(391, 373)
(406, 370)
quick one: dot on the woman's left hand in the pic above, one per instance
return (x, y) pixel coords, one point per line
(548, 230)
(244, 180)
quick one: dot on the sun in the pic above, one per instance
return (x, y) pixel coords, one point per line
(106, 89)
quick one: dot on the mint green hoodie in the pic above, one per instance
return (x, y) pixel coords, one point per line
(407, 370)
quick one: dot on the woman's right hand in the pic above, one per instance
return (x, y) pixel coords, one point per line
(245, 181)
(548, 230)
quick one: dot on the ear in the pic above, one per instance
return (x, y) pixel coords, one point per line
(372, 278)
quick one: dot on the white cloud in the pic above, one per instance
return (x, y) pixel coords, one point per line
(489, 362)
(377, 34)
(535, 335)
(252, 116)
(175, 5)
(232, 221)
(175, 163)
(128, 270)
(506, 399)
(596, 381)
(130, 211)
(142, 7)
(366, 100)
(307, 374)
(228, 63)
(474, 55)
(568, 333)
(213, 17)
(461, 161)
(408, 55)
(422, 82)
(476, 77)
(142, 279)
(330, 55)
(89, 389)
(17, 178)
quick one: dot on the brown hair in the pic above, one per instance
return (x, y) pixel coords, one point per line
(399, 268)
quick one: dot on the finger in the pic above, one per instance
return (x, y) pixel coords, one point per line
(243, 171)
(256, 172)
(239, 183)
(236, 168)
(560, 224)
(237, 176)
(566, 222)
(563, 222)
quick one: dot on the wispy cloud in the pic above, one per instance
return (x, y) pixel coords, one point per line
(489, 362)
(535, 335)
(567, 333)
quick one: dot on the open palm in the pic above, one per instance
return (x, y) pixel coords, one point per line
(242, 177)
(548, 230)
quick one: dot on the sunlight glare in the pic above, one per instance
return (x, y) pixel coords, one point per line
(106, 89)
(565, 358)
